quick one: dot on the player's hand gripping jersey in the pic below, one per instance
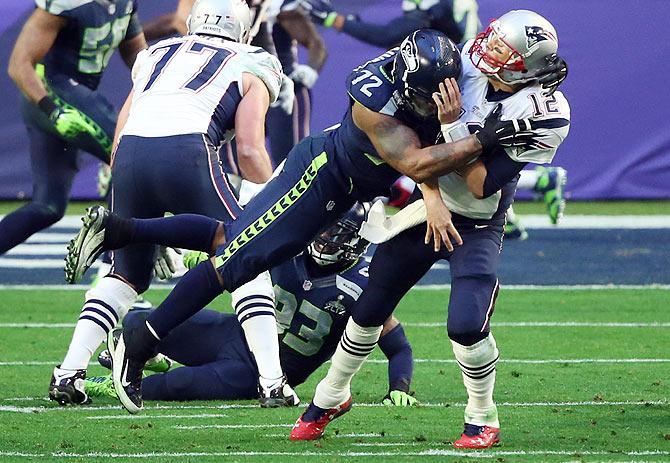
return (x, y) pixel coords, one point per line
(312, 313)
(193, 84)
(549, 116)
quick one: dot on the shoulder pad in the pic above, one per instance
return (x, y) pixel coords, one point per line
(370, 85)
(267, 68)
(58, 7)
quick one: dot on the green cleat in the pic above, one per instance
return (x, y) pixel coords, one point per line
(85, 248)
(549, 186)
(100, 386)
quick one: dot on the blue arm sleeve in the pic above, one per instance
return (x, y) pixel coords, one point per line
(397, 349)
(500, 170)
(386, 35)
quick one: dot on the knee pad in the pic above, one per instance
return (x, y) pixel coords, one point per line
(116, 294)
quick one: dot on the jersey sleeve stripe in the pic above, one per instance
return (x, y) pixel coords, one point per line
(549, 123)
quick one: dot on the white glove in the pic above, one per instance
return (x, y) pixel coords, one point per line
(104, 179)
(305, 75)
(167, 262)
(286, 96)
(248, 190)
(379, 228)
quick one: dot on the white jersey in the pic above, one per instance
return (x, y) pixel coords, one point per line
(554, 112)
(193, 84)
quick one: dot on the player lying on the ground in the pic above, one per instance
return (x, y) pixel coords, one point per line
(314, 292)
(499, 79)
(390, 128)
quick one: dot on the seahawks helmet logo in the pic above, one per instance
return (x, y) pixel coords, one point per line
(535, 35)
(408, 52)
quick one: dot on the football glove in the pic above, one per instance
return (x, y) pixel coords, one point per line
(286, 96)
(320, 11)
(509, 134)
(304, 74)
(104, 179)
(67, 121)
(399, 399)
(553, 74)
(166, 262)
(193, 258)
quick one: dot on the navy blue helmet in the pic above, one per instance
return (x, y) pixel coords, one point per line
(340, 243)
(424, 59)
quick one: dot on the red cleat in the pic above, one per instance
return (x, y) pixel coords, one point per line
(312, 423)
(478, 437)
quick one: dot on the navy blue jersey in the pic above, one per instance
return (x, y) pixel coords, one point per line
(312, 313)
(371, 85)
(94, 30)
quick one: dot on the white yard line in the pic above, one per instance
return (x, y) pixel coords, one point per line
(40, 409)
(433, 452)
(142, 416)
(30, 363)
(39, 250)
(607, 287)
(35, 263)
(556, 324)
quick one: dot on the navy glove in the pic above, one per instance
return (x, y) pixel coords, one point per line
(553, 74)
(320, 11)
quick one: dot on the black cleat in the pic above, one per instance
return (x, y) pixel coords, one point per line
(279, 395)
(67, 387)
(126, 373)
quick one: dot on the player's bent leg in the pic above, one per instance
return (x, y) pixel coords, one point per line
(549, 185)
(105, 305)
(254, 305)
(396, 266)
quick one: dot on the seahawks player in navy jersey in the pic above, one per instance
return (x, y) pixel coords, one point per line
(391, 128)
(57, 63)
(314, 293)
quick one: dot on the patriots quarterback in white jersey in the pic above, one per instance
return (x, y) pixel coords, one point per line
(190, 94)
(499, 81)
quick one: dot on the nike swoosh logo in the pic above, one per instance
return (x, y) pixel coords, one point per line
(481, 226)
(124, 380)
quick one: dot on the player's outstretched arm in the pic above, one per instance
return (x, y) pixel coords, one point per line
(303, 31)
(130, 48)
(400, 147)
(253, 158)
(169, 24)
(35, 40)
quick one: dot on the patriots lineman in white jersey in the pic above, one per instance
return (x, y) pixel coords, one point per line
(499, 81)
(190, 94)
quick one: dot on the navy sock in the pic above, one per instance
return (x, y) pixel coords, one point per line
(188, 231)
(197, 288)
(397, 349)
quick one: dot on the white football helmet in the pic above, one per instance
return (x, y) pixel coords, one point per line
(514, 47)
(222, 18)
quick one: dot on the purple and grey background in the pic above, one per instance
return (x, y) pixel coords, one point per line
(619, 57)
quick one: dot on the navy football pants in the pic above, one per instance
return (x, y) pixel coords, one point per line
(53, 160)
(217, 362)
(179, 174)
(399, 264)
(309, 194)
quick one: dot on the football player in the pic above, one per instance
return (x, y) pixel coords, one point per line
(57, 62)
(189, 95)
(458, 19)
(390, 128)
(314, 292)
(499, 79)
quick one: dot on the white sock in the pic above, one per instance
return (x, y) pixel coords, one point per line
(354, 347)
(528, 179)
(511, 216)
(106, 304)
(478, 365)
(254, 305)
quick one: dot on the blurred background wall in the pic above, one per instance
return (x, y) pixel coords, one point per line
(619, 57)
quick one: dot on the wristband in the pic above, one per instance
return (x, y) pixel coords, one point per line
(454, 131)
(330, 19)
(47, 106)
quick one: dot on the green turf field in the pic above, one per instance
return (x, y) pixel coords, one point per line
(583, 377)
